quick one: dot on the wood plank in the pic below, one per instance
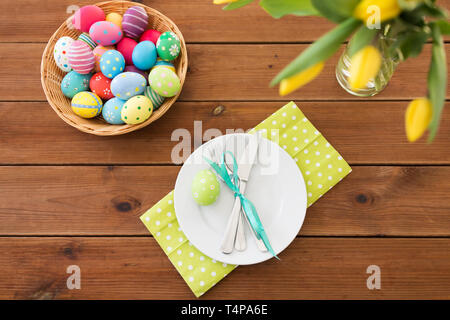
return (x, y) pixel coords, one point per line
(371, 201)
(371, 132)
(224, 72)
(136, 268)
(199, 20)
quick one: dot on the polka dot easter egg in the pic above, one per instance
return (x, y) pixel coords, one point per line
(74, 83)
(112, 63)
(134, 22)
(105, 33)
(86, 16)
(168, 46)
(136, 110)
(87, 104)
(164, 81)
(81, 57)
(115, 18)
(98, 52)
(111, 111)
(127, 85)
(132, 68)
(85, 37)
(205, 187)
(101, 86)
(155, 98)
(60, 53)
(150, 35)
(144, 55)
(126, 47)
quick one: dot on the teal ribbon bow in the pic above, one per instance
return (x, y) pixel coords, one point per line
(232, 181)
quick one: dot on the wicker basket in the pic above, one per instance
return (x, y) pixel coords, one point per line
(51, 75)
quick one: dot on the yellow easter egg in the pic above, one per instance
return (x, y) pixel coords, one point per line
(136, 110)
(114, 18)
(87, 104)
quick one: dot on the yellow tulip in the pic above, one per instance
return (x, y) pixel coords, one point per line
(365, 65)
(300, 79)
(417, 118)
(223, 1)
(388, 9)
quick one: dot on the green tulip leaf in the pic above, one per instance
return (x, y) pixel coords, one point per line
(437, 80)
(320, 50)
(335, 10)
(360, 39)
(444, 26)
(280, 8)
(236, 5)
(409, 44)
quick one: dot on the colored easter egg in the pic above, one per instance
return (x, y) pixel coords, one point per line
(163, 63)
(98, 52)
(85, 37)
(150, 35)
(205, 187)
(154, 97)
(134, 22)
(132, 68)
(144, 55)
(111, 111)
(81, 57)
(114, 18)
(112, 63)
(86, 16)
(87, 104)
(101, 86)
(127, 85)
(126, 47)
(164, 81)
(168, 46)
(136, 110)
(60, 53)
(105, 33)
(74, 83)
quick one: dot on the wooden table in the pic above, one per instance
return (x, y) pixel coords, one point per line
(70, 198)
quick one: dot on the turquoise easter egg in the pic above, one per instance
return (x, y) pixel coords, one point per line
(127, 85)
(168, 46)
(164, 81)
(112, 63)
(144, 55)
(112, 109)
(154, 97)
(74, 82)
(205, 187)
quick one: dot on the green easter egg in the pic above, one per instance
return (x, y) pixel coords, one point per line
(164, 81)
(168, 46)
(136, 110)
(205, 187)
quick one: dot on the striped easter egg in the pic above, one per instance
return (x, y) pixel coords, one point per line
(134, 21)
(85, 37)
(81, 57)
(86, 104)
(155, 98)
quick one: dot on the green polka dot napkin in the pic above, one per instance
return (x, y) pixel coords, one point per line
(321, 165)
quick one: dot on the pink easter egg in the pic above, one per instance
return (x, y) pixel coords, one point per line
(150, 35)
(98, 52)
(105, 33)
(81, 57)
(134, 21)
(132, 68)
(86, 16)
(126, 47)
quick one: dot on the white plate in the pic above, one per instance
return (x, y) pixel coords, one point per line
(276, 188)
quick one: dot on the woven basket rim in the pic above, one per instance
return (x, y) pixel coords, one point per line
(95, 125)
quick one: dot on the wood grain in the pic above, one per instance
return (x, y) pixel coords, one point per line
(371, 201)
(224, 72)
(136, 268)
(33, 134)
(199, 20)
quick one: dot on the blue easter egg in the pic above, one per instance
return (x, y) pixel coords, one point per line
(112, 63)
(74, 82)
(112, 109)
(144, 55)
(127, 85)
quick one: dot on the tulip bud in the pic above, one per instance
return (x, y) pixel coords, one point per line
(300, 79)
(387, 9)
(223, 1)
(417, 118)
(365, 65)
